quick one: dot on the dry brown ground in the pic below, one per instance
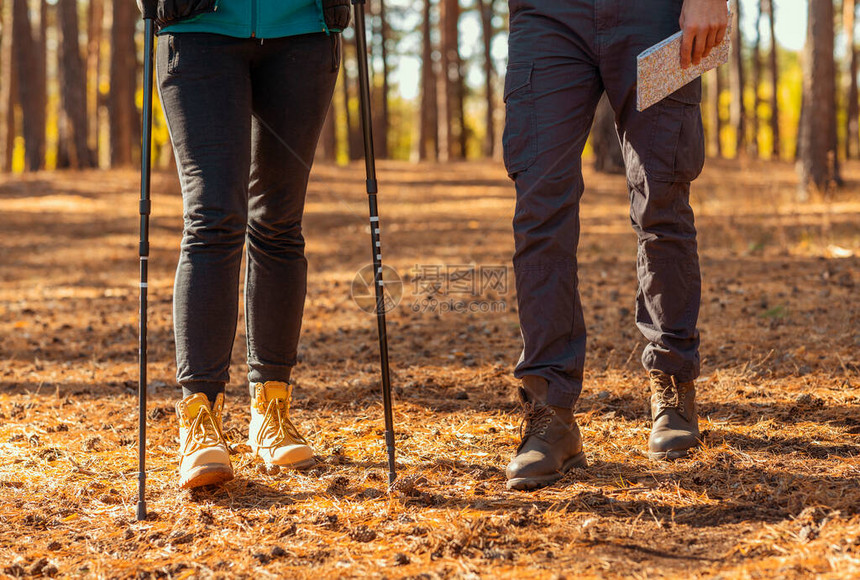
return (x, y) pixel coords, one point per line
(774, 492)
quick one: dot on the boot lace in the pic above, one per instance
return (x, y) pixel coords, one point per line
(204, 431)
(670, 395)
(277, 426)
(536, 420)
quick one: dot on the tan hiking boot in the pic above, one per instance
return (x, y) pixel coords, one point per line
(271, 435)
(203, 455)
(675, 428)
(551, 443)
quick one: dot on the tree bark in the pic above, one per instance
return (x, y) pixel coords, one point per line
(774, 84)
(73, 82)
(818, 163)
(381, 142)
(8, 89)
(95, 26)
(487, 10)
(452, 78)
(852, 128)
(124, 117)
(736, 77)
(756, 81)
(28, 68)
(604, 140)
(428, 134)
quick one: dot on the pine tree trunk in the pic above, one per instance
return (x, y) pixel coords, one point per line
(736, 77)
(95, 27)
(73, 82)
(8, 89)
(604, 140)
(487, 9)
(818, 165)
(381, 136)
(428, 135)
(452, 80)
(852, 129)
(774, 82)
(28, 67)
(124, 117)
(756, 81)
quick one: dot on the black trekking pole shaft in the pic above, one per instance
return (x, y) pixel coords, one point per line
(143, 251)
(370, 165)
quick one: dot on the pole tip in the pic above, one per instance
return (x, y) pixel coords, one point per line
(141, 511)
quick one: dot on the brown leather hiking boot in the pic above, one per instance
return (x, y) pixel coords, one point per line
(551, 443)
(675, 428)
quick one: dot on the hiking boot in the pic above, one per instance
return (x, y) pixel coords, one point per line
(271, 435)
(203, 455)
(675, 427)
(551, 444)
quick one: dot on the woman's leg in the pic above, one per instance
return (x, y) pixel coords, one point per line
(293, 79)
(205, 89)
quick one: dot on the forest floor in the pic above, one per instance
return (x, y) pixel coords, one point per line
(773, 493)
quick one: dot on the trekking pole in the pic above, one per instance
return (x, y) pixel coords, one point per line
(370, 166)
(145, 170)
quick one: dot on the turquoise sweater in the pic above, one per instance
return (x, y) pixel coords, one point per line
(257, 19)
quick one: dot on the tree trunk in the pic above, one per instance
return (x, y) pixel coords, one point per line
(774, 84)
(27, 63)
(428, 135)
(8, 89)
(715, 121)
(756, 80)
(452, 80)
(604, 140)
(818, 164)
(95, 27)
(736, 77)
(852, 130)
(487, 9)
(124, 117)
(380, 142)
(73, 82)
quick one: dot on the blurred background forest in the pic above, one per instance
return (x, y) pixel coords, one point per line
(70, 86)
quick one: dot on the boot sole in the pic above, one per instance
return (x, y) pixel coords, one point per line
(669, 455)
(531, 483)
(303, 464)
(209, 474)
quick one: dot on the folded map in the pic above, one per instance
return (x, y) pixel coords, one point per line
(659, 72)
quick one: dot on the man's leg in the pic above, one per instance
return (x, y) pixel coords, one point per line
(663, 150)
(551, 91)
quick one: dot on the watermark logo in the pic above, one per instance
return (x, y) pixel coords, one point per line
(436, 288)
(363, 289)
(460, 288)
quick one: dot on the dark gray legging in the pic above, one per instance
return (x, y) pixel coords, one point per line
(244, 118)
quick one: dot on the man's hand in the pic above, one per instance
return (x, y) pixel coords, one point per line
(703, 23)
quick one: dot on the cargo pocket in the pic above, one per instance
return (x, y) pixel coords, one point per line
(677, 151)
(519, 140)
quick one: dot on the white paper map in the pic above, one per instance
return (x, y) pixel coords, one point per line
(659, 72)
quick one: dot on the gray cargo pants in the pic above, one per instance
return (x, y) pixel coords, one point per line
(562, 56)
